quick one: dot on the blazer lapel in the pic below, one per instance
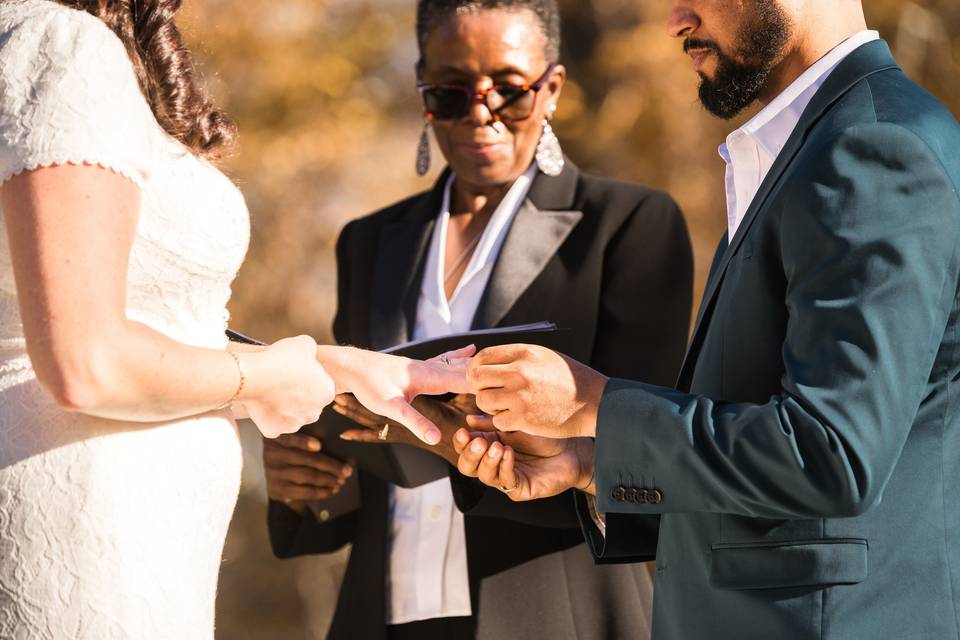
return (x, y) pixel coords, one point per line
(870, 58)
(541, 226)
(399, 269)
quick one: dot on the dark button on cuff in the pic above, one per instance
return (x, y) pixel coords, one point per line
(618, 494)
(654, 496)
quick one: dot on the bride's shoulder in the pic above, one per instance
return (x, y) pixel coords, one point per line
(69, 93)
(46, 27)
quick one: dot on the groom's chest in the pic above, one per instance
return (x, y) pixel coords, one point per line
(736, 352)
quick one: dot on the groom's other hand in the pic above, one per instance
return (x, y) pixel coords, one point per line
(297, 472)
(535, 390)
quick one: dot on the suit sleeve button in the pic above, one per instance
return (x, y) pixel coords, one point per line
(655, 496)
(618, 493)
(630, 495)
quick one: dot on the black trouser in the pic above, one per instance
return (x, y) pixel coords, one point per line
(433, 629)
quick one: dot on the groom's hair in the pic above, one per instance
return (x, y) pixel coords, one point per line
(431, 12)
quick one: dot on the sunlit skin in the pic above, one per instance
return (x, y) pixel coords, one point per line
(816, 28)
(480, 49)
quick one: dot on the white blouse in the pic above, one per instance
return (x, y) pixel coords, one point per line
(427, 572)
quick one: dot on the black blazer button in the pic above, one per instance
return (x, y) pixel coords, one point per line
(655, 496)
(618, 493)
(643, 496)
(630, 495)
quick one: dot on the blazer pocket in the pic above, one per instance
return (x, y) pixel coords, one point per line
(791, 563)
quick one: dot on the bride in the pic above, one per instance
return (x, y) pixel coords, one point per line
(119, 457)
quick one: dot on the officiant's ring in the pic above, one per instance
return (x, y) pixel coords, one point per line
(445, 360)
(511, 489)
(383, 433)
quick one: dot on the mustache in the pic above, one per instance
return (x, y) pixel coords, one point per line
(694, 43)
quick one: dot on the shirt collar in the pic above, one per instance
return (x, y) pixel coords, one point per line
(772, 126)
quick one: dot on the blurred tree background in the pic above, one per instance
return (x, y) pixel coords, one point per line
(323, 91)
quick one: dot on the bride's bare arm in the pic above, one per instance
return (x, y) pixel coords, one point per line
(70, 231)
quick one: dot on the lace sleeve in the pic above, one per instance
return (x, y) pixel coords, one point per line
(68, 94)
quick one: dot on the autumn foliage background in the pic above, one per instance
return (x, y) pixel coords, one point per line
(323, 92)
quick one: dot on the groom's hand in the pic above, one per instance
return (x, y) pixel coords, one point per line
(526, 467)
(535, 390)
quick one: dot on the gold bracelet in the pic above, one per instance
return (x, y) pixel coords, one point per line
(243, 379)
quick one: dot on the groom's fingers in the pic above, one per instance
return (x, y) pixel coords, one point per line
(493, 401)
(508, 475)
(399, 410)
(469, 461)
(494, 376)
(489, 469)
(480, 423)
(501, 354)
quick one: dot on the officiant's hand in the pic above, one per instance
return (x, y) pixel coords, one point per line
(523, 466)
(533, 389)
(448, 416)
(386, 385)
(297, 472)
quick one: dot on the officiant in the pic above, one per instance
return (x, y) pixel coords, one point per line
(512, 232)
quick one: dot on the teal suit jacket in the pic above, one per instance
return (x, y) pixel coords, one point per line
(807, 469)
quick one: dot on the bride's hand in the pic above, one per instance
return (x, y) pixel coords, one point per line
(386, 385)
(285, 386)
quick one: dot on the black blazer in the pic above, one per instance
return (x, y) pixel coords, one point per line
(609, 260)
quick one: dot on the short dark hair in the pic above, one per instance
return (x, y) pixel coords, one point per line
(431, 12)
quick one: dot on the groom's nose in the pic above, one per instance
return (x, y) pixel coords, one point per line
(683, 20)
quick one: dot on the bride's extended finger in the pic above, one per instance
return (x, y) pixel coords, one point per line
(469, 461)
(399, 410)
(450, 357)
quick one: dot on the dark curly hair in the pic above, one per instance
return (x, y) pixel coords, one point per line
(430, 12)
(165, 71)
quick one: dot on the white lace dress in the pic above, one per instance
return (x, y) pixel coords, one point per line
(108, 529)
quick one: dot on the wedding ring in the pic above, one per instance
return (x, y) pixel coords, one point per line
(383, 433)
(510, 490)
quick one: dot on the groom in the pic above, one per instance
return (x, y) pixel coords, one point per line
(806, 470)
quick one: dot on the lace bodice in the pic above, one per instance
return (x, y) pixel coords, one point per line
(70, 96)
(111, 530)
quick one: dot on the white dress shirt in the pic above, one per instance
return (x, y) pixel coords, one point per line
(751, 150)
(427, 572)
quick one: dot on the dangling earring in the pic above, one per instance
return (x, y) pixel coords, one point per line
(549, 154)
(423, 151)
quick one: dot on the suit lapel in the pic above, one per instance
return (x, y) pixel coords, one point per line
(541, 226)
(533, 239)
(398, 270)
(870, 58)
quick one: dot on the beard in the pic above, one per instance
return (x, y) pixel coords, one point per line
(740, 78)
